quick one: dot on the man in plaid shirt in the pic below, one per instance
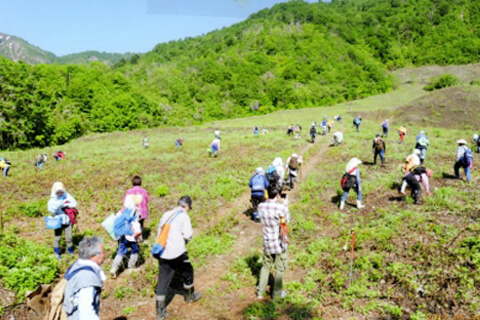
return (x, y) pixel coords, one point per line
(272, 212)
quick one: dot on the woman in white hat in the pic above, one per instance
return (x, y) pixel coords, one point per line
(464, 159)
(58, 202)
(353, 182)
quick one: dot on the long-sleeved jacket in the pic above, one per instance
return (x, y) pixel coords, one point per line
(258, 189)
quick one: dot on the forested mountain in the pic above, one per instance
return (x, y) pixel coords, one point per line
(291, 56)
(17, 49)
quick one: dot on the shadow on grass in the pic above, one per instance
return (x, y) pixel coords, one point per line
(121, 318)
(396, 185)
(270, 309)
(399, 198)
(449, 176)
(254, 265)
(336, 199)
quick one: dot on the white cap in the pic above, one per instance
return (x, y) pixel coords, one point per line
(259, 170)
(294, 155)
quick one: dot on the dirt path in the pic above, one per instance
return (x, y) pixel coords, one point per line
(230, 305)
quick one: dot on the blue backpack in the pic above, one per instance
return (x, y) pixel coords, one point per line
(258, 183)
(467, 157)
(122, 223)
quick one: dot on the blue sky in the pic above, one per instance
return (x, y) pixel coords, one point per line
(71, 26)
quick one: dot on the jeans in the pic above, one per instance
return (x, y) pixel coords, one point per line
(423, 153)
(382, 156)
(280, 262)
(457, 167)
(358, 190)
(124, 244)
(5, 171)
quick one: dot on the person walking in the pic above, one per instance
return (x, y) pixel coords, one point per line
(256, 131)
(298, 129)
(145, 142)
(313, 132)
(477, 142)
(40, 161)
(217, 134)
(278, 163)
(402, 131)
(59, 201)
(379, 147)
(128, 241)
(258, 184)
(81, 299)
(292, 166)
(357, 122)
(385, 127)
(175, 270)
(215, 146)
(179, 142)
(59, 155)
(422, 145)
(464, 159)
(5, 166)
(273, 213)
(354, 182)
(140, 198)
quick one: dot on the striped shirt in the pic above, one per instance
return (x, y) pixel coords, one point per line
(270, 213)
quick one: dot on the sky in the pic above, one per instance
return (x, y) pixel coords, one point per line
(118, 26)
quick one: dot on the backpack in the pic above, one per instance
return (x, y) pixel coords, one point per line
(271, 174)
(423, 142)
(313, 130)
(39, 159)
(293, 163)
(380, 145)
(348, 181)
(357, 121)
(258, 183)
(467, 157)
(418, 170)
(161, 243)
(122, 223)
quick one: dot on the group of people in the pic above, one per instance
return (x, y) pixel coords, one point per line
(414, 171)
(85, 277)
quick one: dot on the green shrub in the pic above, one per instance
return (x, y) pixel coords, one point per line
(162, 190)
(33, 209)
(445, 80)
(25, 264)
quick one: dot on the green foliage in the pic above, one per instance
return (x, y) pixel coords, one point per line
(25, 264)
(162, 190)
(32, 209)
(443, 81)
(204, 245)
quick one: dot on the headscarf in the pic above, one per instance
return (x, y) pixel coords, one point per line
(354, 162)
(58, 186)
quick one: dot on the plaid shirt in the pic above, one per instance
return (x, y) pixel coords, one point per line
(270, 213)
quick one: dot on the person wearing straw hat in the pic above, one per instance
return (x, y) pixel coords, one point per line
(402, 131)
(464, 159)
(354, 174)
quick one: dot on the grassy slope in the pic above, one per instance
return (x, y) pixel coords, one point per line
(408, 260)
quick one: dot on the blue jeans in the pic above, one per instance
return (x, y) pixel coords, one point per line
(124, 244)
(5, 171)
(457, 167)
(358, 190)
(423, 153)
(382, 156)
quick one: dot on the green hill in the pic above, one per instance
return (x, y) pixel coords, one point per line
(409, 261)
(294, 55)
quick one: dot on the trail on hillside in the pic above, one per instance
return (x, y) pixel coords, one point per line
(231, 304)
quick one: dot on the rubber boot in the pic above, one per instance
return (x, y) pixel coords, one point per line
(359, 204)
(191, 295)
(70, 250)
(115, 265)
(161, 308)
(132, 262)
(342, 205)
(57, 252)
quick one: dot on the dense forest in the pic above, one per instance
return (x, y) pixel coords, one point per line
(294, 55)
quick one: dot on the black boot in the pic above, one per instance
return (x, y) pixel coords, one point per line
(191, 295)
(161, 308)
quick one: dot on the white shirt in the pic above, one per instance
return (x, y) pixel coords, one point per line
(180, 233)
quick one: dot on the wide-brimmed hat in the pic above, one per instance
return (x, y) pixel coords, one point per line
(462, 141)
